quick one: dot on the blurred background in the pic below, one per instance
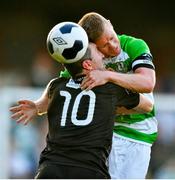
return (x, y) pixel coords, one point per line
(26, 68)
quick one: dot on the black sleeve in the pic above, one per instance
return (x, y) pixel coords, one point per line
(145, 60)
(51, 87)
(129, 99)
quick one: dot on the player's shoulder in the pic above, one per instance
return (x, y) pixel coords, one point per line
(129, 39)
(56, 81)
(108, 88)
(126, 37)
(133, 46)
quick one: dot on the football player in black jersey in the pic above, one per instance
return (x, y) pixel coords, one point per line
(80, 122)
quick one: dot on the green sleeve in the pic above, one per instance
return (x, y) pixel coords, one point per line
(133, 46)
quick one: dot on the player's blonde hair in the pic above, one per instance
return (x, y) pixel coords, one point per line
(93, 24)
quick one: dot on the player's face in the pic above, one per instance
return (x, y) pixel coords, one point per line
(97, 57)
(109, 43)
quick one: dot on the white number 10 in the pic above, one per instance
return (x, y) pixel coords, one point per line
(90, 113)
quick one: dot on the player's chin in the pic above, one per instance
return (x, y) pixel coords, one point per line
(116, 52)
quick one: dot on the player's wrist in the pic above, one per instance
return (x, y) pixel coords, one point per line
(39, 111)
(110, 76)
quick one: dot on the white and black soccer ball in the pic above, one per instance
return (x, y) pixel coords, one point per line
(67, 42)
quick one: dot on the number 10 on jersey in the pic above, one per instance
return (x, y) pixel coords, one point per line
(76, 104)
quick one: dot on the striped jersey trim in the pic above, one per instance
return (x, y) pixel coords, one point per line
(133, 134)
(143, 62)
(148, 126)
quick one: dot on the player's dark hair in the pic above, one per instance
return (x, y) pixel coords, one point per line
(76, 68)
(93, 24)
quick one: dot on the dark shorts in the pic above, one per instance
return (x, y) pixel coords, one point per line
(57, 171)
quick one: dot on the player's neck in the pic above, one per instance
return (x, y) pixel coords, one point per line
(79, 78)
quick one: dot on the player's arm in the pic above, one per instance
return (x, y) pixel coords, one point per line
(142, 80)
(145, 105)
(42, 102)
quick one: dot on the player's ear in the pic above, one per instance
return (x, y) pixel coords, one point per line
(87, 64)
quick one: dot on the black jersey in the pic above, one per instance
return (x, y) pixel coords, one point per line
(81, 123)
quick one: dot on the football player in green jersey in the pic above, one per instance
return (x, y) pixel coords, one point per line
(132, 65)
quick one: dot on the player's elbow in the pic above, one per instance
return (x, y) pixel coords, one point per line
(148, 86)
(147, 80)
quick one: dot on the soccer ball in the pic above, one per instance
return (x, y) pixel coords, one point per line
(67, 42)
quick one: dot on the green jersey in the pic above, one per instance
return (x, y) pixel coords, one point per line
(134, 54)
(137, 127)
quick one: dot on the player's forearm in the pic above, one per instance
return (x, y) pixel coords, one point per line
(124, 111)
(145, 104)
(42, 102)
(41, 108)
(135, 82)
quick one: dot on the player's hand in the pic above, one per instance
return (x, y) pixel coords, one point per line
(24, 112)
(94, 78)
